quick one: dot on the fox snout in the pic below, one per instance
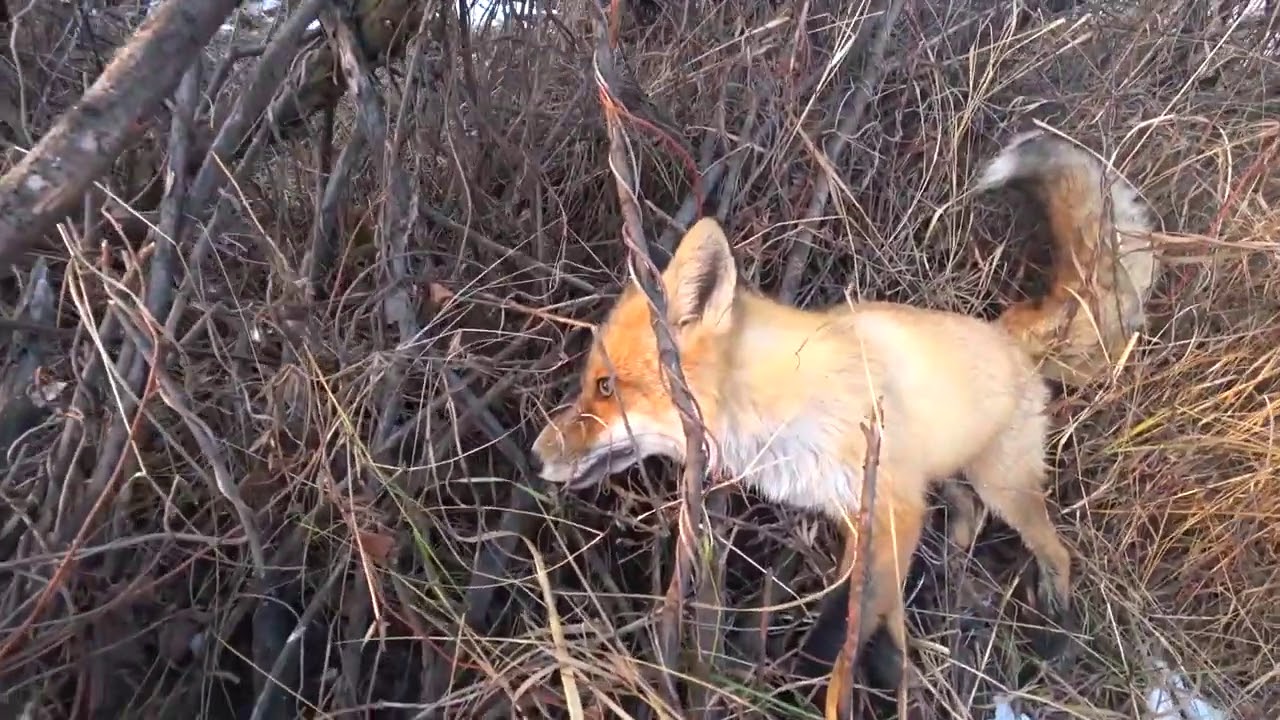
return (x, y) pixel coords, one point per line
(577, 448)
(560, 447)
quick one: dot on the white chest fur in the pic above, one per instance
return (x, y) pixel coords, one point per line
(799, 464)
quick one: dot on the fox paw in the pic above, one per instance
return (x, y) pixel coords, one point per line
(1051, 615)
(1051, 600)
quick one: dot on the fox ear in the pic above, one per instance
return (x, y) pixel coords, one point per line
(702, 276)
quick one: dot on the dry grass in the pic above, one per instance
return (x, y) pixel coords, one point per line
(379, 446)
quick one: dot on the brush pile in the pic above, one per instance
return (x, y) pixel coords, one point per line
(277, 466)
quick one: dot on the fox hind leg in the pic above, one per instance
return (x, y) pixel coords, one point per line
(896, 527)
(897, 523)
(962, 513)
(1009, 476)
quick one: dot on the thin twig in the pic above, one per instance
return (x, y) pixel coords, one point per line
(332, 184)
(101, 501)
(857, 548)
(268, 75)
(223, 483)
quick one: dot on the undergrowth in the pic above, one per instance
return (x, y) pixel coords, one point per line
(372, 411)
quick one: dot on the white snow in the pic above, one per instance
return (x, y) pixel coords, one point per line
(1170, 698)
(1173, 699)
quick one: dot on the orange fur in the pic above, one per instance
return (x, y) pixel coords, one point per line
(783, 391)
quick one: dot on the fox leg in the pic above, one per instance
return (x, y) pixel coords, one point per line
(896, 527)
(962, 513)
(1009, 476)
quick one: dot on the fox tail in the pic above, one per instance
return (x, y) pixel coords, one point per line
(1104, 264)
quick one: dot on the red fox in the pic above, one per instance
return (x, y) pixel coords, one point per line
(783, 391)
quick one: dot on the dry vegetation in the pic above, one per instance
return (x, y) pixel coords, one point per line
(325, 476)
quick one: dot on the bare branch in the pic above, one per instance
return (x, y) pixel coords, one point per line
(835, 146)
(39, 191)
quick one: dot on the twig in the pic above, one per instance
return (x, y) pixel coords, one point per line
(461, 422)
(856, 550)
(712, 627)
(113, 459)
(834, 149)
(125, 378)
(491, 555)
(1246, 181)
(714, 174)
(102, 499)
(333, 184)
(63, 471)
(41, 189)
(213, 174)
(262, 706)
(160, 282)
(221, 206)
(521, 258)
(223, 483)
(647, 277)
(26, 326)
(268, 75)
(200, 202)
(398, 211)
(398, 220)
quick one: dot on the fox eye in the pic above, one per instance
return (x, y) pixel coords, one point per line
(604, 386)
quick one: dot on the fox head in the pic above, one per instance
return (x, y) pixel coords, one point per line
(623, 411)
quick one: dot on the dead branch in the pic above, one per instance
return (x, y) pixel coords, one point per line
(833, 149)
(270, 72)
(40, 190)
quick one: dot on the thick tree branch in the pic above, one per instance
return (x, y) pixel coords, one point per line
(48, 183)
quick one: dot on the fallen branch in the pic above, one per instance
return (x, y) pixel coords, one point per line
(39, 191)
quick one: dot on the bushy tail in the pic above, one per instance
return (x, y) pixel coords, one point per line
(1103, 261)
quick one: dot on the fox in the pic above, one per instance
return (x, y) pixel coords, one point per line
(784, 392)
